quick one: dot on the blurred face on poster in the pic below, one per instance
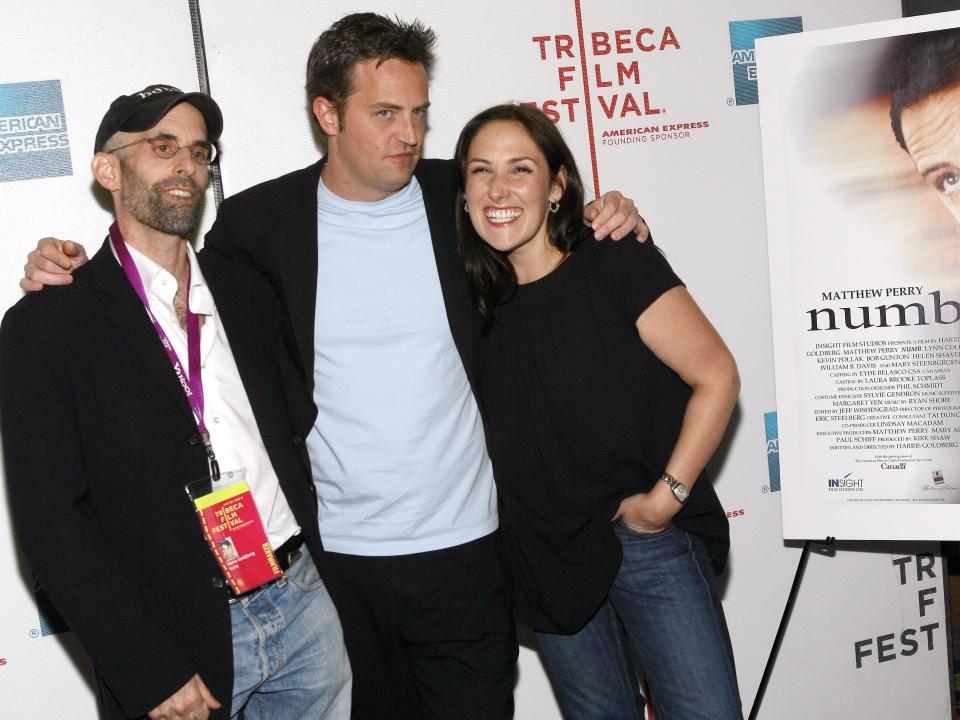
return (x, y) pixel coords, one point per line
(931, 132)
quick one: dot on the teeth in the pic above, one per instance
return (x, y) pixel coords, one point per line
(503, 216)
(179, 193)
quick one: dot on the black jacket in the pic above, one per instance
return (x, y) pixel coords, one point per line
(99, 441)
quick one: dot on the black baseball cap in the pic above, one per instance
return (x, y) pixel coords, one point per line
(142, 110)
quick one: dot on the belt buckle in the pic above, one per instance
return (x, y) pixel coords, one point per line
(288, 553)
(287, 560)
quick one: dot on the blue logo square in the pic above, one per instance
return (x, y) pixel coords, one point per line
(33, 131)
(773, 449)
(743, 34)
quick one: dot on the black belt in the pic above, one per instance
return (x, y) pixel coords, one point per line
(286, 555)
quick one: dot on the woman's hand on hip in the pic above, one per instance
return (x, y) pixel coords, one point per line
(648, 512)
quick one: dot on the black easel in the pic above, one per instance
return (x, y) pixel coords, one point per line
(781, 631)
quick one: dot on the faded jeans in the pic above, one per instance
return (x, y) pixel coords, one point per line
(289, 660)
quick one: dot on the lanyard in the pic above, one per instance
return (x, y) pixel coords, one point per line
(192, 387)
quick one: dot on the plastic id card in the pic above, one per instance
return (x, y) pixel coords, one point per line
(231, 524)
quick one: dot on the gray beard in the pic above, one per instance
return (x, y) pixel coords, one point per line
(147, 204)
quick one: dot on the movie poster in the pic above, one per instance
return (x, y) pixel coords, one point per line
(861, 143)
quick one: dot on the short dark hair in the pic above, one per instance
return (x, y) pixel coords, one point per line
(491, 274)
(928, 63)
(359, 37)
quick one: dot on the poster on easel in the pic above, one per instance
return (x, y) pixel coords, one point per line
(861, 151)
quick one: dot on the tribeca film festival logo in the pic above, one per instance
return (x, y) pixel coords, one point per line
(743, 35)
(33, 131)
(907, 642)
(605, 66)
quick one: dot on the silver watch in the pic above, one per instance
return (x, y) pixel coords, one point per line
(680, 491)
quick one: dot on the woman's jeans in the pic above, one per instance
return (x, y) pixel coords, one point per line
(665, 599)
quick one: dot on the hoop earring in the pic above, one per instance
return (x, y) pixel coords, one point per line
(553, 205)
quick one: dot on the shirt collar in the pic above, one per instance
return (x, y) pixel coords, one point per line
(161, 284)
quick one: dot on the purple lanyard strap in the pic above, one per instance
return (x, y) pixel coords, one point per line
(192, 387)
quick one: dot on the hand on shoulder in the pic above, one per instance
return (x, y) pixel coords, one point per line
(52, 262)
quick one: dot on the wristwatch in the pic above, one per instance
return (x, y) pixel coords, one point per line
(680, 491)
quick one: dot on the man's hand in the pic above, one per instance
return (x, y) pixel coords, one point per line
(615, 215)
(52, 263)
(191, 702)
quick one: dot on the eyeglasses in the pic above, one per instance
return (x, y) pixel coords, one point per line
(167, 148)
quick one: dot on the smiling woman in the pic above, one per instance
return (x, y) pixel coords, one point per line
(605, 391)
(512, 168)
(509, 189)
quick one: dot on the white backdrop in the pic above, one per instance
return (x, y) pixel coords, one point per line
(702, 195)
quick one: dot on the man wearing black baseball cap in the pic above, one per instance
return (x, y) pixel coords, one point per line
(142, 110)
(150, 371)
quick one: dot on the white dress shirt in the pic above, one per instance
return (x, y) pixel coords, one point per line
(227, 412)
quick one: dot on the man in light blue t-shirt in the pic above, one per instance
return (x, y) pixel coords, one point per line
(362, 250)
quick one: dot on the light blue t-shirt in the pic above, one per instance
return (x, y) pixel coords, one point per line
(398, 451)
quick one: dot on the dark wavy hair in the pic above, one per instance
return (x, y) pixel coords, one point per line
(928, 63)
(491, 275)
(359, 37)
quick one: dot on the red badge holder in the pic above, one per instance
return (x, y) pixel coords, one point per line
(231, 524)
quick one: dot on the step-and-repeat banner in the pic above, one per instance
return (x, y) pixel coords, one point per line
(657, 99)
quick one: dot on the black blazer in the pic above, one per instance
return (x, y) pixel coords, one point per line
(99, 441)
(273, 227)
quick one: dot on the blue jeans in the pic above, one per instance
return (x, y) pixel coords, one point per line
(665, 599)
(289, 660)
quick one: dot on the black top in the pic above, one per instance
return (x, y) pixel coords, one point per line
(580, 415)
